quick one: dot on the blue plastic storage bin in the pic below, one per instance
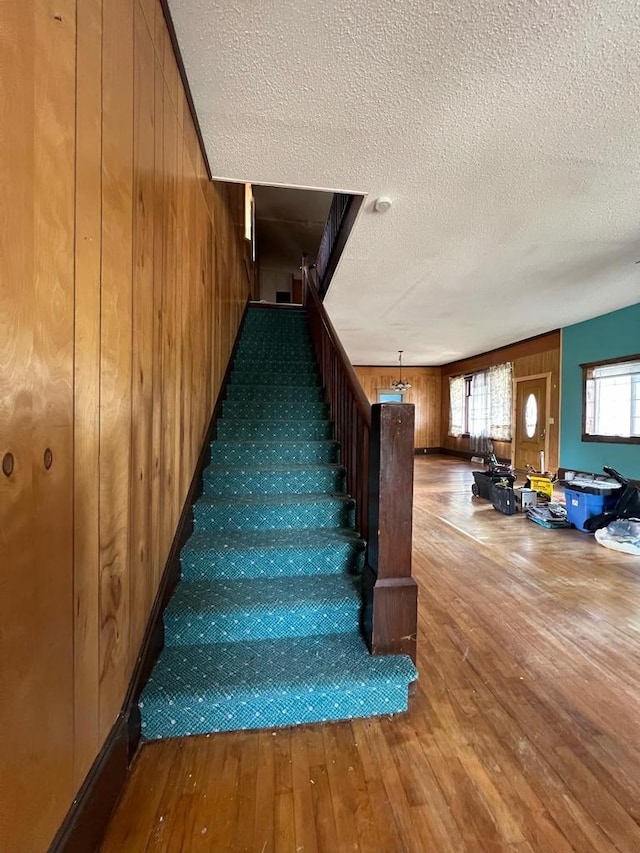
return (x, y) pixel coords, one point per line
(582, 505)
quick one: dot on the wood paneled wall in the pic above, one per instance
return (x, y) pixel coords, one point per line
(530, 357)
(122, 284)
(37, 115)
(424, 394)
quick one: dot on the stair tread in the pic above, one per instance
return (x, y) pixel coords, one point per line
(329, 660)
(268, 383)
(275, 468)
(296, 355)
(202, 540)
(262, 594)
(276, 421)
(276, 500)
(248, 442)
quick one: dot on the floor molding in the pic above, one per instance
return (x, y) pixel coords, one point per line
(464, 454)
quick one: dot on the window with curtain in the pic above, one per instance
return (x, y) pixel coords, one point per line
(456, 405)
(500, 401)
(480, 404)
(612, 401)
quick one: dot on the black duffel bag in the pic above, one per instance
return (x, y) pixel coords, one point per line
(628, 505)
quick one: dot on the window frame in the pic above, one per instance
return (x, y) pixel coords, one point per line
(386, 391)
(598, 437)
(468, 378)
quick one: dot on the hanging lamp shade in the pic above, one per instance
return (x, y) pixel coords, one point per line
(399, 385)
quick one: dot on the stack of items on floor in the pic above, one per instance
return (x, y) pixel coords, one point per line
(495, 485)
(535, 497)
(607, 506)
(544, 510)
(588, 496)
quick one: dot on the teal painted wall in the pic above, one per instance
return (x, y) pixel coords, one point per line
(609, 336)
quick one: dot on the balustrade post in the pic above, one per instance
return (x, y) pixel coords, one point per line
(390, 594)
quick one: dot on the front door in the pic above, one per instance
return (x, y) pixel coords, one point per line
(531, 423)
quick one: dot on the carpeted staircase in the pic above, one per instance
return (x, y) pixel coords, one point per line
(262, 629)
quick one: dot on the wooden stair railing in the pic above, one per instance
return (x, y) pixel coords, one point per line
(342, 215)
(376, 444)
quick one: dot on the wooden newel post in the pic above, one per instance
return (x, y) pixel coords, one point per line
(390, 593)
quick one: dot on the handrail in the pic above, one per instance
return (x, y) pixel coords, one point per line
(376, 445)
(342, 215)
(350, 408)
(354, 383)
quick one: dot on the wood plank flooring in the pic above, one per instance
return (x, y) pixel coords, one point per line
(523, 733)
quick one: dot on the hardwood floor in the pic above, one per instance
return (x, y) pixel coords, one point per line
(523, 733)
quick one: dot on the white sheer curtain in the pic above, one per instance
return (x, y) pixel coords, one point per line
(479, 405)
(456, 405)
(500, 379)
(486, 412)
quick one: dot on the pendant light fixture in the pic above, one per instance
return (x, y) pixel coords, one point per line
(399, 385)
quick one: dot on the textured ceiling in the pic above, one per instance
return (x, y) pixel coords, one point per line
(507, 134)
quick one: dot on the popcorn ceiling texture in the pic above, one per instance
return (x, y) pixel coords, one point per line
(505, 132)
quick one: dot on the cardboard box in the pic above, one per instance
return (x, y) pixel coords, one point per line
(525, 498)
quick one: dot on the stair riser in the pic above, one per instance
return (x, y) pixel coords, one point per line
(275, 339)
(236, 453)
(238, 626)
(271, 394)
(296, 517)
(236, 564)
(274, 411)
(275, 317)
(236, 430)
(292, 364)
(221, 714)
(279, 354)
(293, 379)
(268, 483)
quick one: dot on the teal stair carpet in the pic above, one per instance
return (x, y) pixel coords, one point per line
(262, 629)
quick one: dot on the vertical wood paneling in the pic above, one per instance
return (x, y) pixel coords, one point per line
(119, 304)
(37, 153)
(424, 394)
(168, 312)
(182, 297)
(142, 585)
(159, 319)
(87, 383)
(116, 333)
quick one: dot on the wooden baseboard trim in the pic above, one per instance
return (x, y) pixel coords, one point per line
(464, 454)
(87, 819)
(457, 454)
(427, 451)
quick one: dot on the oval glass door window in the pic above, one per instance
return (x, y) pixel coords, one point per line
(531, 415)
